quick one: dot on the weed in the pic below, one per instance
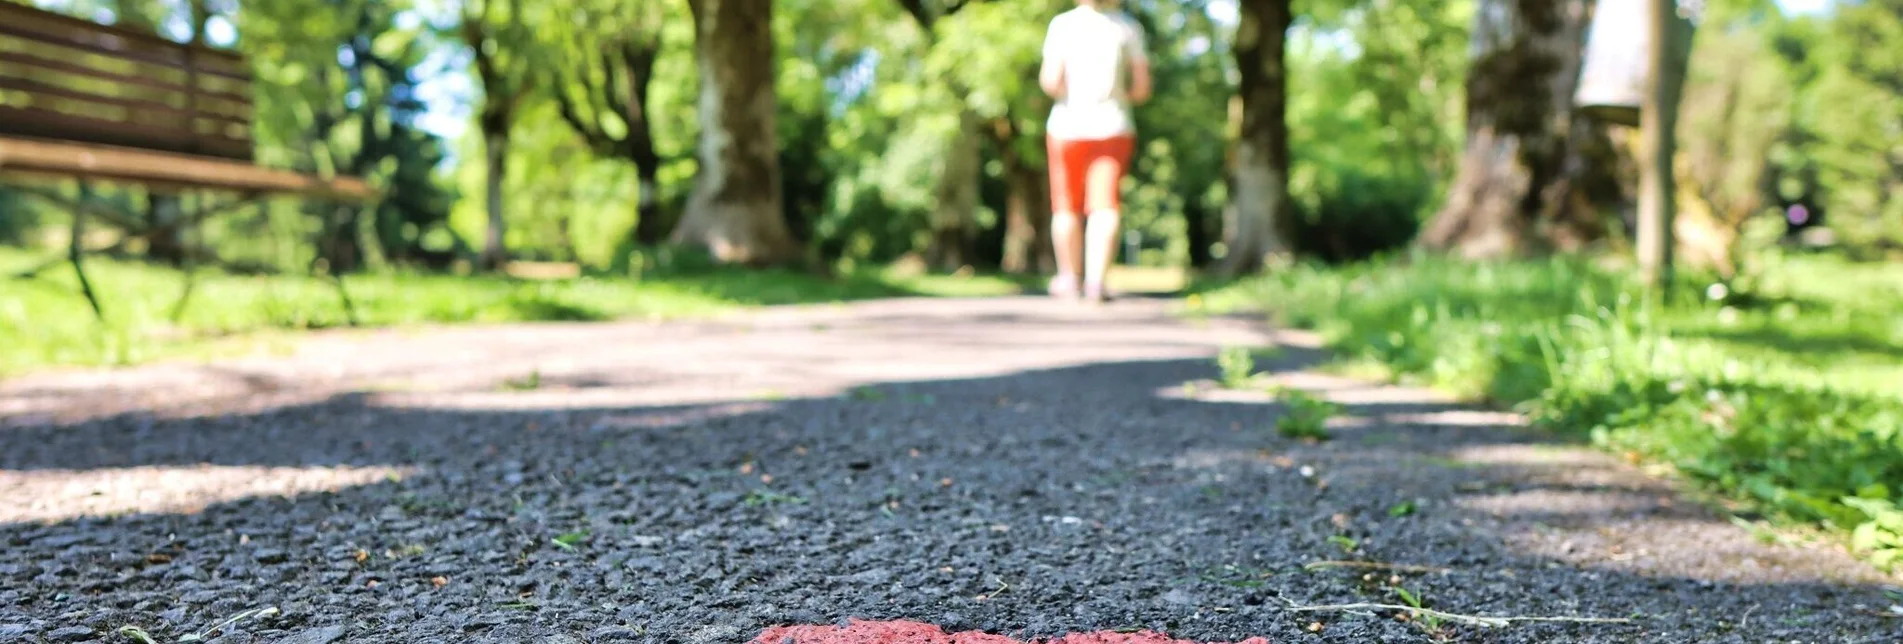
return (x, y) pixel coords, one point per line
(1237, 366)
(571, 540)
(1305, 417)
(1428, 621)
(1402, 509)
(531, 382)
(1347, 544)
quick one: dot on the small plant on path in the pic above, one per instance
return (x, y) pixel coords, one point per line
(1306, 416)
(1428, 622)
(1237, 365)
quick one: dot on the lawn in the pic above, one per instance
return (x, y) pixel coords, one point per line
(1787, 397)
(45, 323)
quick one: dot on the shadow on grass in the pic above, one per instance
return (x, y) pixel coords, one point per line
(1805, 343)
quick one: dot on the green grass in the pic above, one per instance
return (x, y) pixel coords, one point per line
(1787, 397)
(45, 323)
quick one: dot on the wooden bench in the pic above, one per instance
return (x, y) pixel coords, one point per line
(81, 100)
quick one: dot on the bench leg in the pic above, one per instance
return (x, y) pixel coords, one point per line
(76, 250)
(188, 259)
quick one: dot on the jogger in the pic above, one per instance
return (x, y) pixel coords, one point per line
(1096, 67)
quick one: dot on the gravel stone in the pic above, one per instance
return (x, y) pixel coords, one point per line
(324, 635)
(70, 634)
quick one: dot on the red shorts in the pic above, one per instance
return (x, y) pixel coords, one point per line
(1072, 183)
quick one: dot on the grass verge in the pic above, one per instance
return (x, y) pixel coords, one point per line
(1786, 396)
(45, 323)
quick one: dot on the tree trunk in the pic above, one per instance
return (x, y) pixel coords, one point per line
(1574, 208)
(1027, 229)
(1658, 125)
(1196, 231)
(653, 225)
(735, 211)
(1519, 113)
(955, 214)
(339, 246)
(1259, 182)
(495, 251)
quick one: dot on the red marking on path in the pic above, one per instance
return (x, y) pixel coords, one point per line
(869, 632)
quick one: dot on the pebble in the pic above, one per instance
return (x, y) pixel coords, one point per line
(325, 635)
(70, 634)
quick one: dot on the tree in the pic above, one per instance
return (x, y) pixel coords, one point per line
(1519, 104)
(496, 40)
(337, 95)
(602, 58)
(954, 212)
(1736, 111)
(735, 210)
(1260, 176)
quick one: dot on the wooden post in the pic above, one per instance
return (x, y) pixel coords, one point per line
(1658, 123)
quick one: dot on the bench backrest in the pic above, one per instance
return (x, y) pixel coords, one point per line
(66, 79)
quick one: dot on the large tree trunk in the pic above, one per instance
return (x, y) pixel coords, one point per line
(495, 251)
(1259, 182)
(735, 211)
(956, 203)
(1519, 96)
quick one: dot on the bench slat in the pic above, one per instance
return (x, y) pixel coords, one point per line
(80, 99)
(229, 105)
(29, 157)
(55, 29)
(39, 88)
(21, 122)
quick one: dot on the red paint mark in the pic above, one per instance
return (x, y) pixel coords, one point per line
(869, 632)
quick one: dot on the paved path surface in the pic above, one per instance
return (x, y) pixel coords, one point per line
(1012, 467)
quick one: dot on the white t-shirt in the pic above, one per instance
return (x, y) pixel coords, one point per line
(1097, 48)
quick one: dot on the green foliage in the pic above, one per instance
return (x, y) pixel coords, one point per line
(18, 219)
(1784, 396)
(1374, 119)
(1843, 144)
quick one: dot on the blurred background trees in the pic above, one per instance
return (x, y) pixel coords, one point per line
(853, 133)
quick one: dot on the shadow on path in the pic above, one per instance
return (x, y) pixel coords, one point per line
(1032, 502)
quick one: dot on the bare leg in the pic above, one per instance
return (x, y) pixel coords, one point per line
(1105, 220)
(1101, 250)
(1067, 239)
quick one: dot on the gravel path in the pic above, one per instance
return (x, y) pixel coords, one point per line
(1012, 466)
